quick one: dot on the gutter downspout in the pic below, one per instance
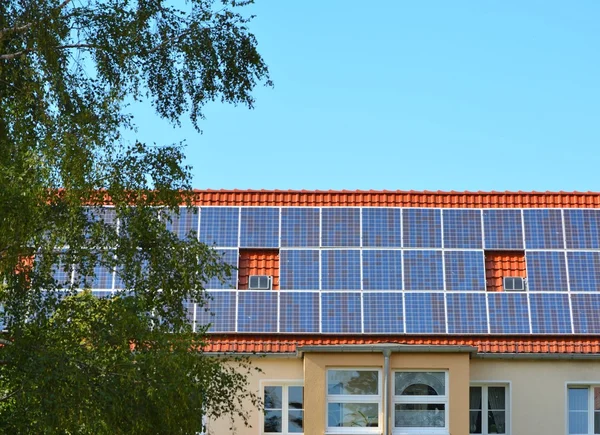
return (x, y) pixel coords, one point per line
(386, 391)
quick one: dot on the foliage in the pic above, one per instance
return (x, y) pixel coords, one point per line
(72, 362)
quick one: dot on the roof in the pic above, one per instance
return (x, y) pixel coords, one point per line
(487, 345)
(397, 198)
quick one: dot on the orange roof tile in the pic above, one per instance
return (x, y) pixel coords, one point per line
(487, 345)
(385, 198)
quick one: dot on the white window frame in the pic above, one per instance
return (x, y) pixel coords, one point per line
(284, 384)
(589, 386)
(484, 402)
(418, 400)
(354, 398)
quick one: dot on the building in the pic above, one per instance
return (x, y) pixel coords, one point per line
(409, 312)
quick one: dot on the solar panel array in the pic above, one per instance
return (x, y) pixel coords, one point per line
(349, 270)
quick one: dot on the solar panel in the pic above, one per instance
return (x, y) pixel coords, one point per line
(383, 313)
(103, 293)
(509, 313)
(228, 256)
(102, 278)
(259, 227)
(582, 229)
(184, 224)
(382, 227)
(190, 309)
(341, 227)
(502, 229)
(543, 229)
(422, 228)
(299, 269)
(465, 270)
(299, 227)
(219, 311)
(586, 309)
(546, 271)
(425, 313)
(257, 311)
(341, 313)
(382, 270)
(462, 229)
(62, 272)
(219, 226)
(467, 313)
(299, 312)
(340, 269)
(423, 270)
(584, 271)
(550, 313)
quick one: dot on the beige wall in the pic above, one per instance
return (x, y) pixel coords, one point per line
(537, 389)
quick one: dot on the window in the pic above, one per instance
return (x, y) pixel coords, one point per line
(584, 410)
(487, 409)
(284, 409)
(353, 401)
(420, 403)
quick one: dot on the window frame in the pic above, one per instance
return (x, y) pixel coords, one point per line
(484, 409)
(284, 384)
(355, 398)
(445, 399)
(589, 386)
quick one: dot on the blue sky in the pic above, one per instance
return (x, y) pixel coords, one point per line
(420, 95)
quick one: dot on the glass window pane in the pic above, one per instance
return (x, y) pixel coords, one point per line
(578, 422)
(420, 384)
(359, 382)
(296, 421)
(497, 422)
(496, 398)
(475, 422)
(352, 415)
(578, 399)
(475, 398)
(273, 421)
(296, 397)
(597, 399)
(420, 415)
(273, 396)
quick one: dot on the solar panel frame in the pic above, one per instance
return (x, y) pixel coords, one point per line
(462, 228)
(383, 313)
(341, 313)
(464, 270)
(550, 313)
(508, 313)
(423, 270)
(382, 227)
(340, 227)
(340, 269)
(299, 312)
(219, 311)
(300, 227)
(183, 225)
(259, 227)
(257, 311)
(381, 269)
(582, 228)
(422, 228)
(219, 226)
(299, 269)
(425, 313)
(543, 229)
(546, 271)
(503, 229)
(586, 309)
(584, 270)
(231, 257)
(466, 313)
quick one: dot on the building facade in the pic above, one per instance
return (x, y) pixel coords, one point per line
(408, 312)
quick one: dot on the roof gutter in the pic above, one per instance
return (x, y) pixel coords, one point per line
(539, 356)
(385, 347)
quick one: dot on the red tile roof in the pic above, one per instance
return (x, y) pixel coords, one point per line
(485, 345)
(385, 198)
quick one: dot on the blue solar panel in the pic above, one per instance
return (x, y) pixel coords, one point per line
(219, 312)
(257, 311)
(102, 278)
(190, 309)
(340, 313)
(467, 313)
(422, 228)
(584, 271)
(425, 313)
(299, 269)
(382, 270)
(260, 227)
(105, 215)
(340, 269)
(103, 293)
(582, 229)
(299, 312)
(383, 313)
(508, 313)
(546, 271)
(219, 226)
(341, 227)
(465, 270)
(299, 227)
(382, 227)
(586, 313)
(462, 229)
(423, 270)
(550, 313)
(228, 256)
(184, 224)
(62, 272)
(543, 229)
(502, 229)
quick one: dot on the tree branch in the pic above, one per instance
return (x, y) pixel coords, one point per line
(6, 342)
(8, 396)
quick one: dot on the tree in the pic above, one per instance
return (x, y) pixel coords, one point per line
(71, 362)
